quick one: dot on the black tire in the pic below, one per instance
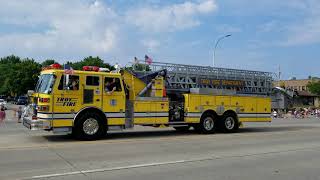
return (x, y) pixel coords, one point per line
(206, 125)
(90, 126)
(229, 123)
(182, 128)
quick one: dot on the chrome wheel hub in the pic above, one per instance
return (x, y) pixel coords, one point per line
(208, 123)
(90, 126)
(229, 123)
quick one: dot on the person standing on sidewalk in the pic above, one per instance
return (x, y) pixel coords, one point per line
(19, 114)
(274, 114)
(2, 116)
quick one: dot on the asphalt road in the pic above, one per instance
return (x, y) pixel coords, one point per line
(283, 149)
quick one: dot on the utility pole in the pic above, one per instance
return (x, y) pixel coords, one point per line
(279, 76)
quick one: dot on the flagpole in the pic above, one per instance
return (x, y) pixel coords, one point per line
(64, 77)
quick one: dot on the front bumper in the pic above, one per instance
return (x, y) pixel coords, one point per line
(33, 124)
(44, 125)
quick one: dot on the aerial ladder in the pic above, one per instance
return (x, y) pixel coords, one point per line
(183, 78)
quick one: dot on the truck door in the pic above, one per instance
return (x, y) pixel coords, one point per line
(92, 91)
(67, 100)
(114, 100)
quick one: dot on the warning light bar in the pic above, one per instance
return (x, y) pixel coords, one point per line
(90, 68)
(53, 66)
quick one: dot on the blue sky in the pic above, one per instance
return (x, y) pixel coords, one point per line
(266, 34)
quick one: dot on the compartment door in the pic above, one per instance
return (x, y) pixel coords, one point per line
(92, 91)
(143, 112)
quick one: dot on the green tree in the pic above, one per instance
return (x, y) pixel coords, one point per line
(90, 61)
(282, 84)
(314, 87)
(17, 76)
(10, 60)
(24, 76)
(48, 62)
(139, 67)
(7, 66)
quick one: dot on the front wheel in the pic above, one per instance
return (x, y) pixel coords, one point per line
(90, 127)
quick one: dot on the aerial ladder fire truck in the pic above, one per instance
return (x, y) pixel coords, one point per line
(89, 103)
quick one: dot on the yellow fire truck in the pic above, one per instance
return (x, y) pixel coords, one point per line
(89, 103)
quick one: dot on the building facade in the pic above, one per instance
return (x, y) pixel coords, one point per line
(302, 96)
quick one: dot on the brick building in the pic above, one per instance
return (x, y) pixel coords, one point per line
(302, 95)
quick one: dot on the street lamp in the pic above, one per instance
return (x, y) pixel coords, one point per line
(215, 47)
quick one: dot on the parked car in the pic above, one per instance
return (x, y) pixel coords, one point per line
(10, 99)
(22, 100)
(15, 100)
(3, 103)
(3, 97)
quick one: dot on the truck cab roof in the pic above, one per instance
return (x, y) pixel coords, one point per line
(61, 71)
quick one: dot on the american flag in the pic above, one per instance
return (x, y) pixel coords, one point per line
(68, 69)
(147, 59)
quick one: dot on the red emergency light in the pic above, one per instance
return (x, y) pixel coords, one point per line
(90, 68)
(56, 66)
(53, 66)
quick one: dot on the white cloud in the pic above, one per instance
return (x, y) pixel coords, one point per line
(151, 44)
(78, 28)
(307, 30)
(225, 28)
(107, 42)
(269, 27)
(263, 7)
(207, 6)
(289, 23)
(305, 34)
(170, 18)
(61, 27)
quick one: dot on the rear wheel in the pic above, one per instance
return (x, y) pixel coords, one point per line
(206, 125)
(90, 126)
(229, 123)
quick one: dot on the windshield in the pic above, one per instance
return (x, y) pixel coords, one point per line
(45, 83)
